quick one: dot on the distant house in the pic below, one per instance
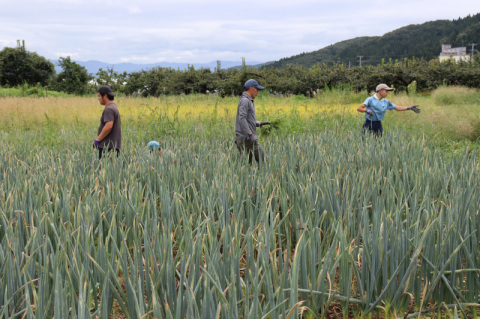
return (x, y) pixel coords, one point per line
(458, 54)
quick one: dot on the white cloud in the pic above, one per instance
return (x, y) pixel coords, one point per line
(7, 43)
(136, 59)
(134, 10)
(72, 55)
(148, 31)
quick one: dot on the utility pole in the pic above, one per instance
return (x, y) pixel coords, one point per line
(473, 50)
(360, 57)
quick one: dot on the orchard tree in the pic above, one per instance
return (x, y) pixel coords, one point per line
(111, 78)
(19, 66)
(73, 79)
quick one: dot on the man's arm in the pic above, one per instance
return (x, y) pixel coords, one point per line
(413, 108)
(401, 108)
(105, 131)
(362, 108)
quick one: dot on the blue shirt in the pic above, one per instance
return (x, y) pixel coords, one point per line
(153, 145)
(378, 107)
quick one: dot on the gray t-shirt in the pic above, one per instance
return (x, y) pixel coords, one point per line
(246, 121)
(114, 138)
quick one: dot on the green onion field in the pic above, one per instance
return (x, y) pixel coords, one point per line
(333, 225)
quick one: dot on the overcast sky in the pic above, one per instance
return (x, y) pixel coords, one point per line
(201, 31)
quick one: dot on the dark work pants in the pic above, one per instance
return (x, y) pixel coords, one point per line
(102, 150)
(253, 149)
(374, 127)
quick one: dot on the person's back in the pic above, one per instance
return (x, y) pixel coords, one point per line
(155, 146)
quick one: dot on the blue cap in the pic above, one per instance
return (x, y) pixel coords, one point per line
(253, 83)
(153, 145)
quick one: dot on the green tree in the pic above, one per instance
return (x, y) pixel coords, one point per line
(19, 66)
(111, 78)
(73, 79)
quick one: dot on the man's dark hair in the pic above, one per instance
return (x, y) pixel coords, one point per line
(106, 90)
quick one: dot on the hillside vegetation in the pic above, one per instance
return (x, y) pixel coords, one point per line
(419, 40)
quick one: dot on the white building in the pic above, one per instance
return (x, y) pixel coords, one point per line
(458, 54)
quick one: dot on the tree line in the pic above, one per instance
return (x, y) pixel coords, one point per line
(19, 67)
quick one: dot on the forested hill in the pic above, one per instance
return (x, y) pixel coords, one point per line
(419, 40)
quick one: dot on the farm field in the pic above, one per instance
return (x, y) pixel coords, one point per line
(333, 225)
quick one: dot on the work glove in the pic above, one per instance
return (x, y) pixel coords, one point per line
(253, 138)
(369, 112)
(95, 144)
(414, 108)
(264, 123)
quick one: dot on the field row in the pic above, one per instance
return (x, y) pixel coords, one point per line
(331, 222)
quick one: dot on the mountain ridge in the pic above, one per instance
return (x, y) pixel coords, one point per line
(414, 40)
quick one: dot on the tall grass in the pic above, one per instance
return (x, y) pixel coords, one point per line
(211, 115)
(456, 95)
(200, 115)
(31, 91)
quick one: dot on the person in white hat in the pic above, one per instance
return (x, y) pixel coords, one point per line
(375, 108)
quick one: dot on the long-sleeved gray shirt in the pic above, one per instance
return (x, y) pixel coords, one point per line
(246, 121)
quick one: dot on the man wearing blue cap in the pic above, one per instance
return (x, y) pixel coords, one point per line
(246, 123)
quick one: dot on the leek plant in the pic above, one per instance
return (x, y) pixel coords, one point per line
(330, 224)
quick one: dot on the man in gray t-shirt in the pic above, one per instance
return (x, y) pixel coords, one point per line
(246, 123)
(109, 133)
